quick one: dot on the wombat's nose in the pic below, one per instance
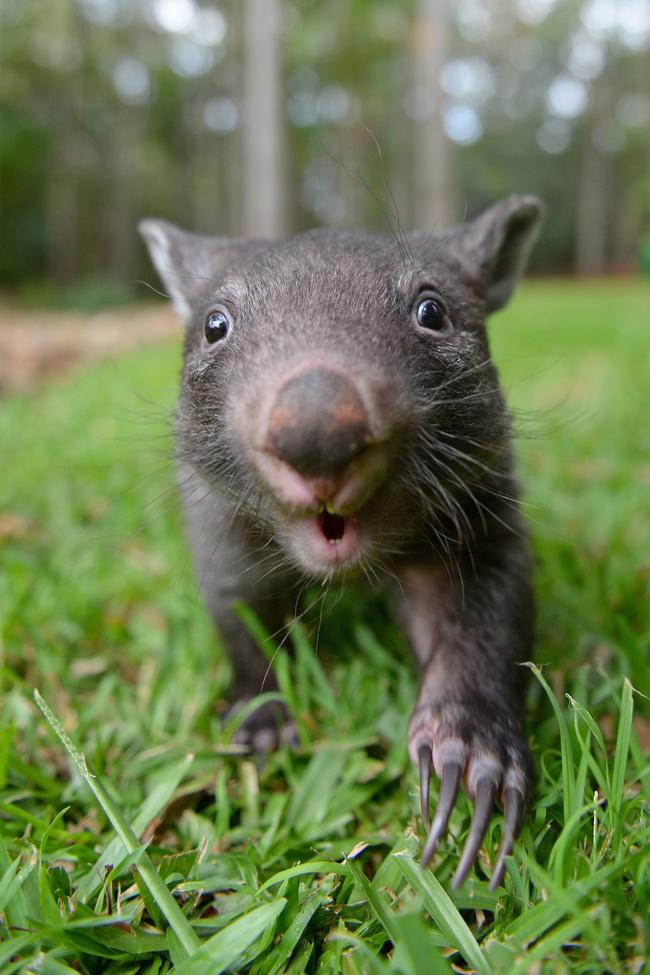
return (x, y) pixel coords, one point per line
(318, 423)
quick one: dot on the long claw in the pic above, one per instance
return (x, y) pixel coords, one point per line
(449, 781)
(424, 758)
(513, 803)
(485, 792)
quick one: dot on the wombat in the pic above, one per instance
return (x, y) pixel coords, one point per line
(340, 413)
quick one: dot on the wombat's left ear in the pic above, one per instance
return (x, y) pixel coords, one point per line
(495, 247)
(188, 264)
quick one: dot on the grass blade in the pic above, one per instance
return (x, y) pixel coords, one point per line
(150, 808)
(221, 950)
(415, 952)
(150, 877)
(279, 956)
(442, 909)
(568, 789)
(302, 869)
(382, 911)
(308, 805)
(623, 735)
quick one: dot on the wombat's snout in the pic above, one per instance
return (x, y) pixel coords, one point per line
(317, 423)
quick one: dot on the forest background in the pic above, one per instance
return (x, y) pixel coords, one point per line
(270, 116)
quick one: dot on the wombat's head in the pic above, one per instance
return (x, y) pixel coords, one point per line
(338, 385)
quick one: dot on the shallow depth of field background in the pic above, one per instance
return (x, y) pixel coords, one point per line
(268, 117)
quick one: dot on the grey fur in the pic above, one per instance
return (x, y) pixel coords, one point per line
(443, 519)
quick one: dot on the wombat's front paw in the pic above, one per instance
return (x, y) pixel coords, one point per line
(265, 729)
(482, 743)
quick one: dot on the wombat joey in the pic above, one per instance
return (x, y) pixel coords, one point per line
(339, 413)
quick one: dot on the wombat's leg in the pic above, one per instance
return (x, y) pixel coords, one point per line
(468, 637)
(268, 726)
(233, 566)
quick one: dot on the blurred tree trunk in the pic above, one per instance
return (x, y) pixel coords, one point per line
(215, 191)
(591, 205)
(401, 135)
(263, 137)
(121, 175)
(62, 205)
(353, 204)
(434, 178)
(62, 191)
(631, 212)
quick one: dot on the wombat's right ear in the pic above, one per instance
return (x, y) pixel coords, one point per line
(496, 245)
(187, 263)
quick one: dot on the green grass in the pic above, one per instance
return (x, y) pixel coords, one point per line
(162, 848)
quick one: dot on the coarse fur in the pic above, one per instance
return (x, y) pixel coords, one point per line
(434, 511)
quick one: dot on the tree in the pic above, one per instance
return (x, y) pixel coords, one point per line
(435, 192)
(263, 137)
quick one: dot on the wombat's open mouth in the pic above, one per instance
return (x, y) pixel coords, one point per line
(325, 542)
(332, 526)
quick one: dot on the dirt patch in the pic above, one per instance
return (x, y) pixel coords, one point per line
(39, 346)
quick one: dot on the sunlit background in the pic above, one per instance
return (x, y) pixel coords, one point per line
(269, 116)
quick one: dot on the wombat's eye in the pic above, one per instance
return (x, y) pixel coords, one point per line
(217, 326)
(431, 314)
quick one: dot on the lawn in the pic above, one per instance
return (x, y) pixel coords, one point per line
(184, 855)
